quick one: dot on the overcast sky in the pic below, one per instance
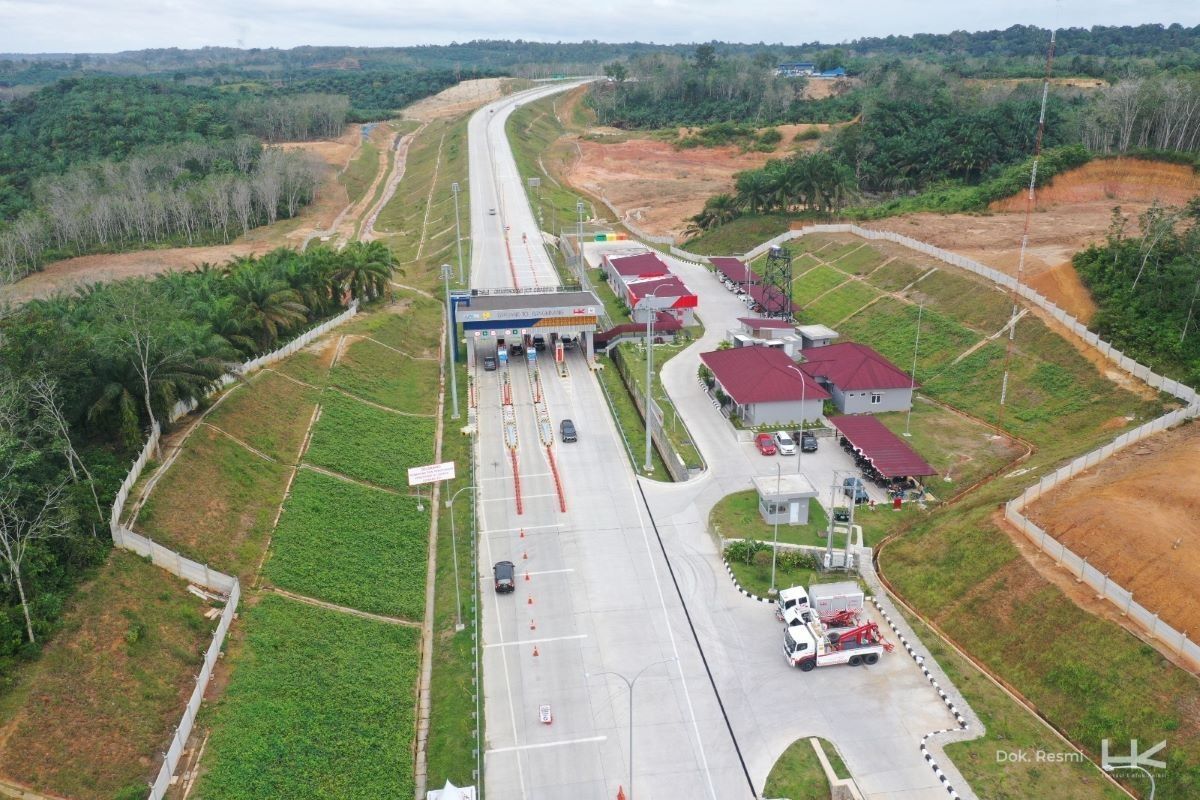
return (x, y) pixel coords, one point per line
(31, 26)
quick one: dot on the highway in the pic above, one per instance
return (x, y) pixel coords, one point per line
(596, 598)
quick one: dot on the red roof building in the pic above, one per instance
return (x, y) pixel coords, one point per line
(734, 269)
(764, 385)
(640, 265)
(860, 379)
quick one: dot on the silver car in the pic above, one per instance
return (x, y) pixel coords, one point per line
(785, 443)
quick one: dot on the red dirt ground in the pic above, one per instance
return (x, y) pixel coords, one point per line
(1072, 212)
(1137, 517)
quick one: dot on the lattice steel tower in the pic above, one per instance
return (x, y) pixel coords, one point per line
(776, 296)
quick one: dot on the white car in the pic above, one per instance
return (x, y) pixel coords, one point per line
(492, 211)
(785, 443)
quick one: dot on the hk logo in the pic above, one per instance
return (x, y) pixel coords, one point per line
(1134, 760)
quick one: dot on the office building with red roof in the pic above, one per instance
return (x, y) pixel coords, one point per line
(765, 386)
(860, 380)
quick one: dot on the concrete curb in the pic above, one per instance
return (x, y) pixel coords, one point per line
(962, 722)
(738, 586)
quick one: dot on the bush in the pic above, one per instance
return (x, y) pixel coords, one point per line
(745, 550)
(807, 135)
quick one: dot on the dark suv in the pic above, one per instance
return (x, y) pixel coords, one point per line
(567, 429)
(489, 363)
(505, 573)
(808, 442)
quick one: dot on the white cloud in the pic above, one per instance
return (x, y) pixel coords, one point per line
(112, 25)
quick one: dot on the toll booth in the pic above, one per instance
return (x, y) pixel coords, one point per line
(507, 323)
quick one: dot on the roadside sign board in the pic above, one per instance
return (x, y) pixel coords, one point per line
(431, 473)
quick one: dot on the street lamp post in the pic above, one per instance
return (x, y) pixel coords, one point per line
(630, 684)
(913, 385)
(803, 406)
(458, 624)
(775, 513)
(579, 238)
(450, 343)
(649, 413)
(462, 278)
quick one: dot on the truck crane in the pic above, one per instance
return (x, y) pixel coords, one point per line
(811, 645)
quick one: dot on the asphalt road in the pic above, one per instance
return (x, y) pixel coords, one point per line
(595, 594)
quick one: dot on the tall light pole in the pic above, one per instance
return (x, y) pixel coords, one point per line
(450, 343)
(630, 684)
(579, 238)
(462, 278)
(775, 513)
(912, 387)
(803, 406)
(649, 414)
(458, 624)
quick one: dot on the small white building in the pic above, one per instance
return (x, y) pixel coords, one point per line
(816, 336)
(784, 498)
(778, 334)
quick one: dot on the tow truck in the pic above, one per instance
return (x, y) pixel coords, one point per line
(812, 645)
(834, 603)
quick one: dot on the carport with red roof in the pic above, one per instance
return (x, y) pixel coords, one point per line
(887, 452)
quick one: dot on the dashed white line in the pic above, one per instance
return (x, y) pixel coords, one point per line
(561, 743)
(537, 641)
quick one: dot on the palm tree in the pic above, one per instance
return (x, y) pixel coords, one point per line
(266, 306)
(365, 269)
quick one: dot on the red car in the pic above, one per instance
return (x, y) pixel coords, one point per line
(765, 444)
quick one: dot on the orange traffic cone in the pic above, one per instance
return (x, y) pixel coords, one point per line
(535, 652)
(525, 556)
(527, 577)
(522, 533)
(530, 600)
(532, 625)
(620, 793)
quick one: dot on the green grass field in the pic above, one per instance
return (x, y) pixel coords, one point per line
(320, 704)
(629, 420)
(972, 303)
(270, 413)
(736, 517)
(362, 171)
(216, 503)
(370, 370)
(860, 261)
(740, 235)
(890, 327)
(352, 546)
(816, 281)
(895, 275)
(416, 329)
(797, 775)
(832, 308)
(368, 443)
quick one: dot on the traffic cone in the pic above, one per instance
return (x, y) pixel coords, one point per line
(620, 793)
(527, 577)
(525, 556)
(530, 600)
(522, 533)
(532, 625)
(535, 652)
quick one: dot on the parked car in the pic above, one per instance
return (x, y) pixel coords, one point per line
(808, 442)
(489, 363)
(841, 514)
(765, 444)
(504, 572)
(566, 429)
(785, 443)
(854, 487)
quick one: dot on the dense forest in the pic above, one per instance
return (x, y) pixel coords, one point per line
(1102, 51)
(1147, 287)
(84, 376)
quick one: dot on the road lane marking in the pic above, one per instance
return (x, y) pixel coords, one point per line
(522, 528)
(537, 641)
(535, 572)
(512, 497)
(562, 743)
(509, 477)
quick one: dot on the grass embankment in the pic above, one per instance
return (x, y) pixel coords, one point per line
(320, 705)
(798, 775)
(629, 420)
(361, 172)
(1090, 677)
(89, 718)
(418, 222)
(535, 132)
(369, 443)
(634, 359)
(738, 236)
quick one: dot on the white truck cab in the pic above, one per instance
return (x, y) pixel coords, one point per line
(810, 646)
(825, 599)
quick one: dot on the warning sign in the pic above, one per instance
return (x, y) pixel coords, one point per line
(431, 473)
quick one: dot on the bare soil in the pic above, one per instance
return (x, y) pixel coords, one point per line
(458, 99)
(1137, 517)
(1072, 212)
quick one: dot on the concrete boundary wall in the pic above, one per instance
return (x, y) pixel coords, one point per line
(183, 567)
(1178, 642)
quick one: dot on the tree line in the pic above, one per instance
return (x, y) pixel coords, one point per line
(1160, 113)
(83, 376)
(80, 120)
(1146, 284)
(190, 192)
